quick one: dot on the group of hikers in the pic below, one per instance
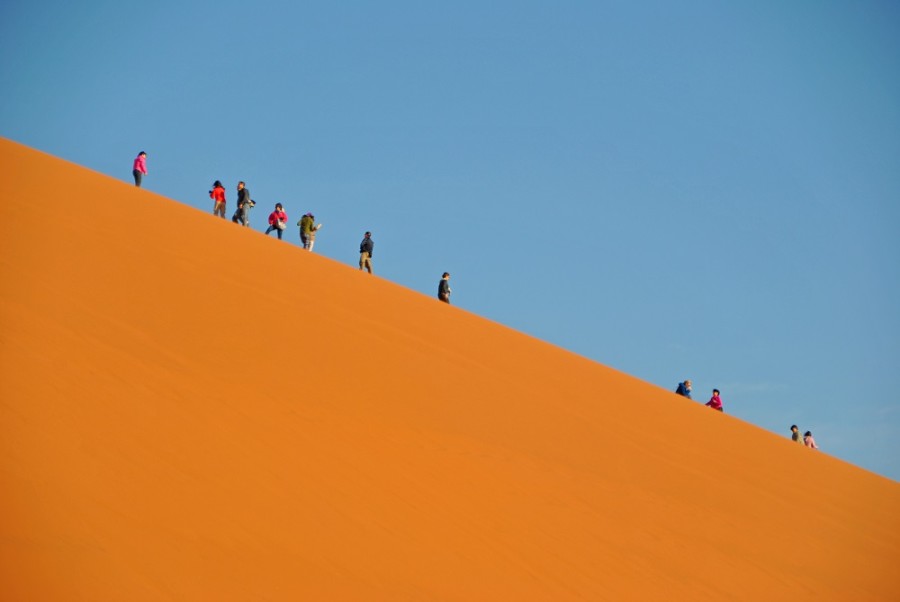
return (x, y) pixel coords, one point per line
(278, 221)
(715, 402)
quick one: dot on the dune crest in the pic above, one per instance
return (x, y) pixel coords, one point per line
(176, 423)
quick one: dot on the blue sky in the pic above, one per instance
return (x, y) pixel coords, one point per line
(675, 189)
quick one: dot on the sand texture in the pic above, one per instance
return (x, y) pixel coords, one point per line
(193, 411)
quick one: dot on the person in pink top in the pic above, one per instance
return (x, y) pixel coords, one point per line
(139, 169)
(277, 220)
(715, 402)
(808, 440)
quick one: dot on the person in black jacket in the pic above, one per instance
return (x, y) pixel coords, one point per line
(444, 288)
(365, 252)
(244, 204)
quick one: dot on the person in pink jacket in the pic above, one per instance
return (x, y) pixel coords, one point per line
(808, 440)
(715, 402)
(277, 220)
(139, 169)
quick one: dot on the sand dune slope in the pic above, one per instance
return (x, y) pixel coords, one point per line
(178, 424)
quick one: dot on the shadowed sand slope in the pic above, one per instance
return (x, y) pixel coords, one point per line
(179, 423)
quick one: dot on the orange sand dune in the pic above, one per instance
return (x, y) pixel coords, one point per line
(178, 424)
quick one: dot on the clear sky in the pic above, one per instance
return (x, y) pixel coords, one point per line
(694, 189)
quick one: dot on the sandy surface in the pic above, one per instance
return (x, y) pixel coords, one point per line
(178, 424)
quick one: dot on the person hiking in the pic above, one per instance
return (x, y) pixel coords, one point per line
(808, 440)
(244, 204)
(277, 220)
(795, 434)
(444, 288)
(684, 389)
(715, 402)
(217, 194)
(139, 169)
(365, 252)
(308, 229)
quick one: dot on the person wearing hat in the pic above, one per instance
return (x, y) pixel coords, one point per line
(795, 434)
(365, 252)
(308, 229)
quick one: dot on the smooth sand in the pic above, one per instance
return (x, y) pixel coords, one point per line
(177, 423)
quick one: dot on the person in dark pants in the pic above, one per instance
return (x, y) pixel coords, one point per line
(244, 204)
(444, 288)
(139, 170)
(277, 220)
(365, 252)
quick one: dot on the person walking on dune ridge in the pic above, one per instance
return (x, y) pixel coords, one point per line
(444, 288)
(244, 204)
(808, 440)
(277, 220)
(684, 389)
(217, 194)
(139, 169)
(365, 252)
(308, 229)
(715, 402)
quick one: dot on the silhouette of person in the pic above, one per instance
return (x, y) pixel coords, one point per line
(444, 288)
(139, 169)
(365, 252)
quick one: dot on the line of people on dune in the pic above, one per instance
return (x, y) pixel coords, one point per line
(715, 402)
(278, 221)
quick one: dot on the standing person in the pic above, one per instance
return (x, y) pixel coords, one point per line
(795, 434)
(312, 233)
(217, 194)
(715, 402)
(308, 229)
(139, 169)
(444, 288)
(365, 252)
(808, 440)
(684, 389)
(277, 220)
(244, 204)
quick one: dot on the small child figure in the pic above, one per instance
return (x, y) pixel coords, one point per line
(808, 440)
(715, 402)
(795, 434)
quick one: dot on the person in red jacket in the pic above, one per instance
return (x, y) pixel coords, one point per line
(277, 220)
(217, 194)
(715, 402)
